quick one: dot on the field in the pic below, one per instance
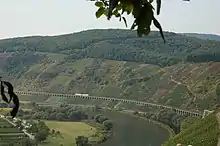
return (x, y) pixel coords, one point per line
(69, 131)
(4, 111)
(10, 134)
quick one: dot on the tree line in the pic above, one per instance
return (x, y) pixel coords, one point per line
(61, 113)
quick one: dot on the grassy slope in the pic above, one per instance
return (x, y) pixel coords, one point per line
(71, 68)
(125, 80)
(9, 134)
(69, 131)
(204, 132)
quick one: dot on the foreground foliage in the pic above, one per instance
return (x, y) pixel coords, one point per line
(12, 96)
(205, 132)
(141, 10)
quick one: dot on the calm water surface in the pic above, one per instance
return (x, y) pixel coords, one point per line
(131, 131)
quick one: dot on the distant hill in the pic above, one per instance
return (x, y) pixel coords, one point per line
(184, 72)
(204, 36)
(121, 45)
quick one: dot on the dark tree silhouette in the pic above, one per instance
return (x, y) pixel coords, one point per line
(82, 141)
(12, 95)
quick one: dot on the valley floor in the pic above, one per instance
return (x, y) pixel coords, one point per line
(68, 132)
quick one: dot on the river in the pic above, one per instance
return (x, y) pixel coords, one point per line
(133, 131)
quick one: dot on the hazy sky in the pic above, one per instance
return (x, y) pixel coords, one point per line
(51, 17)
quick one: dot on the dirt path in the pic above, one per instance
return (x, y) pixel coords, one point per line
(117, 104)
(179, 83)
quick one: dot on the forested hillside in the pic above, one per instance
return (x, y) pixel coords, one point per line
(204, 132)
(117, 63)
(120, 45)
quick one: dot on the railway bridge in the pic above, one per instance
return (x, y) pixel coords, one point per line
(177, 110)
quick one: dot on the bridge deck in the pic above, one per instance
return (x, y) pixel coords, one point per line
(177, 110)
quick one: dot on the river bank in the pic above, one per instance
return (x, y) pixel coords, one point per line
(129, 130)
(162, 125)
(128, 113)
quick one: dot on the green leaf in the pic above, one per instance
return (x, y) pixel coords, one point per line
(100, 12)
(146, 31)
(125, 21)
(99, 4)
(140, 31)
(123, 10)
(136, 11)
(133, 25)
(157, 24)
(145, 17)
(119, 7)
(112, 5)
(128, 7)
(106, 12)
(115, 12)
(136, 8)
(118, 15)
(158, 6)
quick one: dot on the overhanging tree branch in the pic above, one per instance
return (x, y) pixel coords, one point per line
(12, 95)
(141, 10)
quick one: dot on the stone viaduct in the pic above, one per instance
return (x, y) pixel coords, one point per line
(177, 110)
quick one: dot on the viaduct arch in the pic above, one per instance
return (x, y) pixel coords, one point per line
(177, 110)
